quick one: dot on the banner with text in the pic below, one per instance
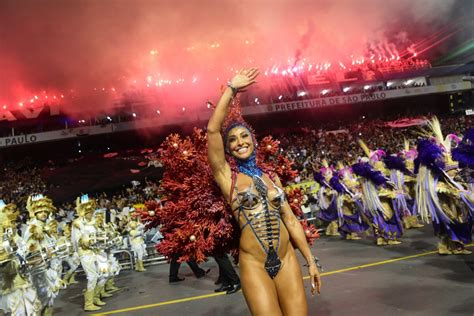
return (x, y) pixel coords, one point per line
(356, 98)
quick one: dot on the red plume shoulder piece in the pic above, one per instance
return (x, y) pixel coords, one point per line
(194, 218)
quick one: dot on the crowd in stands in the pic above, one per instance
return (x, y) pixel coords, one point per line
(20, 179)
(340, 142)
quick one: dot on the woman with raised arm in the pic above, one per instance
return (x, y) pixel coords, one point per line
(271, 277)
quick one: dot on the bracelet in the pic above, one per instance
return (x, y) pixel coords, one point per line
(316, 261)
(234, 89)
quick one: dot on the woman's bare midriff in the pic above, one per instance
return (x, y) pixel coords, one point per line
(251, 249)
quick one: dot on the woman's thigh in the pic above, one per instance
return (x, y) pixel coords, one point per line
(259, 290)
(290, 287)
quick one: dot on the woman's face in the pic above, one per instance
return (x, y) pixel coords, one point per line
(240, 143)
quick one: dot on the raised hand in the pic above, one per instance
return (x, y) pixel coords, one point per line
(244, 78)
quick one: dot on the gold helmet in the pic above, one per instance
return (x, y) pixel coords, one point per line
(38, 203)
(85, 205)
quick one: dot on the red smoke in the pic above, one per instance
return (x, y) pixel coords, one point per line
(94, 51)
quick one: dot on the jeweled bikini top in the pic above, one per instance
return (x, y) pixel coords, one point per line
(249, 199)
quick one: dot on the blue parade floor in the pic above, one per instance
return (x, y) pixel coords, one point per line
(358, 279)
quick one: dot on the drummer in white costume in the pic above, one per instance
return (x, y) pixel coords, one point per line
(40, 251)
(137, 241)
(85, 241)
(17, 294)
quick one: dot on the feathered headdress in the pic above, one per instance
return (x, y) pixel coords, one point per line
(326, 169)
(85, 205)
(343, 171)
(429, 155)
(435, 133)
(373, 155)
(394, 162)
(366, 171)
(319, 178)
(346, 175)
(38, 203)
(409, 153)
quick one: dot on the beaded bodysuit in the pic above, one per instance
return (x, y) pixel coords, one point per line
(262, 215)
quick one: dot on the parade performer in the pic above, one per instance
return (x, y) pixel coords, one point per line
(399, 174)
(62, 249)
(439, 196)
(268, 266)
(86, 240)
(107, 264)
(410, 219)
(350, 208)
(377, 195)
(115, 242)
(327, 199)
(136, 232)
(12, 214)
(17, 294)
(41, 249)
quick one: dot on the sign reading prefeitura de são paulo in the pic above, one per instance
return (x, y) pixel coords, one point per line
(355, 98)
